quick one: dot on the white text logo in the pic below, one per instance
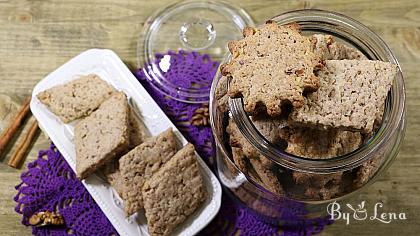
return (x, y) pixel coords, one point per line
(361, 213)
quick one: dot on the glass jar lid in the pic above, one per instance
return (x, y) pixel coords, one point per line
(183, 36)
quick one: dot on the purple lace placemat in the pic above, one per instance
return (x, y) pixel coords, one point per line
(50, 184)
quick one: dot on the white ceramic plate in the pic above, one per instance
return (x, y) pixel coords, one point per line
(110, 68)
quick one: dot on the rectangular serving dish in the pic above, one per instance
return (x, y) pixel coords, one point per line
(110, 68)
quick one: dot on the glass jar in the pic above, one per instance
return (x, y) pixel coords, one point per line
(375, 155)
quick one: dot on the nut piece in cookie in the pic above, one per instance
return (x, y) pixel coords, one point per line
(77, 98)
(102, 136)
(350, 96)
(270, 67)
(174, 192)
(141, 163)
(328, 49)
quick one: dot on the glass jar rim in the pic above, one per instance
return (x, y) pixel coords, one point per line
(393, 116)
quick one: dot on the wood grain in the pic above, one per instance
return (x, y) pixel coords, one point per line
(38, 36)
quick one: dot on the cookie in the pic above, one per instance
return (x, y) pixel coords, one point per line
(221, 94)
(137, 131)
(111, 170)
(319, 143)
(113, 175)
(141, 163)
(102, 136)
(243, 152)
(269, 128)
(270, 67)
(240, 160)
(367, 170)
(319, 186)
(76, 99)
(352, 92)
(173, 193)
(326, 47)
(267, 176)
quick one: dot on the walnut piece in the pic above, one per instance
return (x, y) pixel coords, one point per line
(44, 218)
(201, 116)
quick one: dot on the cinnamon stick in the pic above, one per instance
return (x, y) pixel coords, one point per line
(13, 127)
(23, 147)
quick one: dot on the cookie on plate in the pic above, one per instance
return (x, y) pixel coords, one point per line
(76, 99)
(102, 136)
(270, 67)
(174, 192)
(111, 169)
(141, 163)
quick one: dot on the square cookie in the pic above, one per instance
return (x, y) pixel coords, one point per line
(350, 96)
(174, 192)
(141, 163)
(102, 136)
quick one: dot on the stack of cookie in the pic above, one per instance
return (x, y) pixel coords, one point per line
(148, 173)
(315, 97)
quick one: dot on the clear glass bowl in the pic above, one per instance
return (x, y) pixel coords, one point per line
(381, 148)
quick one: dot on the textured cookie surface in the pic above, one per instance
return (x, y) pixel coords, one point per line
(111, 169)
(247, 158)
(77, 98)
(240, 160)
(267, 176)
(367, 170)
(270, 67)
(174, 192)
(221, 94)
(351, 94)
(113, 176)
(137, 131)
(270, 129)
(319, 143)
(102, 136)
(141, 163)
(319, 186)
(329, 49)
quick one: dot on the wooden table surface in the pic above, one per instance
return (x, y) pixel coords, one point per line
(38, 36)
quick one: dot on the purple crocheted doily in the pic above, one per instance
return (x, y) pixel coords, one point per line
(50, 184)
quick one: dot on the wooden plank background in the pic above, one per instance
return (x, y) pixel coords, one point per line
(38, 36)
